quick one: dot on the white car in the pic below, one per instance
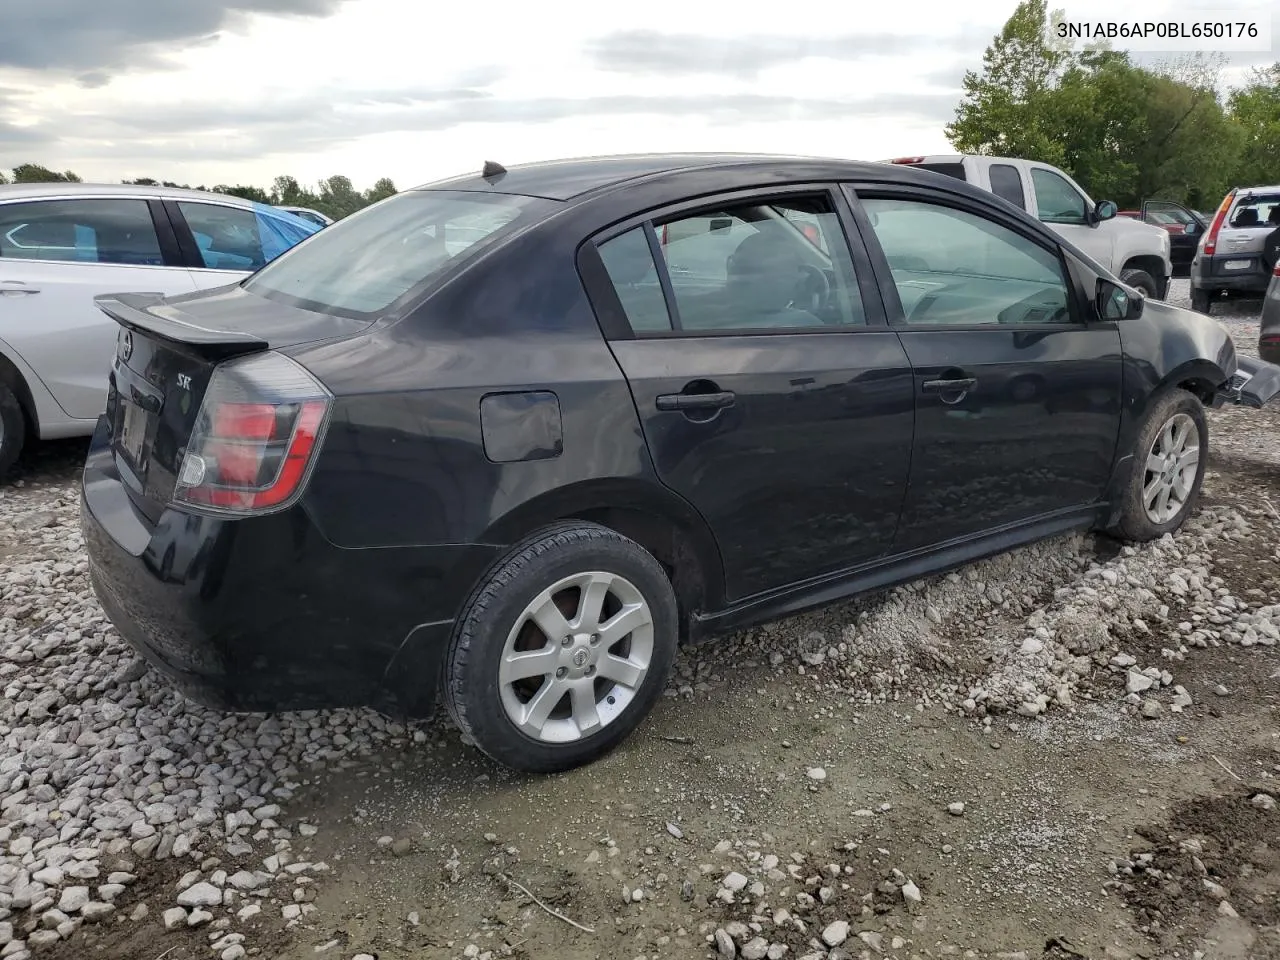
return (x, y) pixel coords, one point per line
(61, 244)
(1136, 252)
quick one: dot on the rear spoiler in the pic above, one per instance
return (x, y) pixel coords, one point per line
(148, 313)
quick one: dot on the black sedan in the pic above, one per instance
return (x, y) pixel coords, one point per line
(515, 436)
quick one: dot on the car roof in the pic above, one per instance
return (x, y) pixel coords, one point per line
(37, 191)
(1242, 192)
(567, 179)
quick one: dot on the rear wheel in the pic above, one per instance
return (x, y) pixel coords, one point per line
(1142, 280)
(1169, 461)
(13, 429)
(1201, 301)
(564, 649)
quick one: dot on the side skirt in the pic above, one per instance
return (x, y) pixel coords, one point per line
(888, 572)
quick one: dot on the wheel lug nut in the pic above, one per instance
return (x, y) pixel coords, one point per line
(566, 641)
(591, 671)
(562, 673)
(595, 638)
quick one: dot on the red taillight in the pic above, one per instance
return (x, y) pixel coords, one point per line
(1276, 271)
(1211, 238)
(255, 436)
(811, 234)
(908, 160)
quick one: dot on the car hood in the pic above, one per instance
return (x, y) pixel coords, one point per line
(1170, 337)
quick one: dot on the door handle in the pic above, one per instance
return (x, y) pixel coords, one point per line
(949, 386)
(696, 401)
(15, 287)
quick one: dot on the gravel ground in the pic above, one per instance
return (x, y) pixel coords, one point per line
(1066, 751)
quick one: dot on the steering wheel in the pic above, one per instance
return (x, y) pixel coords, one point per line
(812, 291)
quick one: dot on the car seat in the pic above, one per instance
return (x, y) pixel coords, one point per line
(763, 277)
(1248, 217)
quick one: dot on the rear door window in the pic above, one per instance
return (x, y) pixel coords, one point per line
(757, 265)
(92, 230)
(367, 262)
(1006, 183)
(949, 169)
(238, 238)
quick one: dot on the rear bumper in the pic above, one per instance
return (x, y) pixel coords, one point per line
(264, 614)
(1210, 273)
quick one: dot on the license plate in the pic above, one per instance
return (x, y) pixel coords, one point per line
(1236, 265)
(132, 431)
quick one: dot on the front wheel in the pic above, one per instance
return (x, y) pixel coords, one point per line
(1201, 301)
(563, 650)
(1170, 456)
(1142, 280)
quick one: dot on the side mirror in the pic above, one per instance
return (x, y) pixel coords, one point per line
(1191, 228)
(1105, 210)
(1114, 302)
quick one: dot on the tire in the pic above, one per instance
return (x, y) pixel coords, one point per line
(1180, 409)
(13, 429)
(1142, 280)
(1201, 301)
(1271, 250)
(489, 706)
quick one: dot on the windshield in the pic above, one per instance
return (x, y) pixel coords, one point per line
(367, 262)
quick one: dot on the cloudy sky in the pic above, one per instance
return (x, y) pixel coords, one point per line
(238, 91)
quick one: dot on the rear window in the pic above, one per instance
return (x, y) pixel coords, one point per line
(365, 263)
(1257, 210)
(950, 169)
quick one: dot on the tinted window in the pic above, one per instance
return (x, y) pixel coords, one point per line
(629, 263)
(1006, 183)
(1057, 200)
(950, 169)
(951, 266)
(365, 262)
(80, 231)
(756, 266)
(236, 238)
(1257, 210)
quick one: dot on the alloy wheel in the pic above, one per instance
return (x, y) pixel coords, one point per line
(576, 657)
(1171, 467)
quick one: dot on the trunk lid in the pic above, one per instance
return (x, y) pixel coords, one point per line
(166, 353)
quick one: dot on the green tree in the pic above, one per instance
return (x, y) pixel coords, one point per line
(245, 193)
(382, 189)
(1006, 108)
(1255, 116)
(34, 173)
(3, 177)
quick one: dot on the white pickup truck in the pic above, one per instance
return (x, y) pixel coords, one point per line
(1136, 252)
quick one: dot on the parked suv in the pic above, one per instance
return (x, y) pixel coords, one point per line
(484, 440)
(1138, 253)
(63, 243)
(1240, 249)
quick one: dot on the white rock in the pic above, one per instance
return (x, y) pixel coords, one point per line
(835, 933)
(200, 895)
(956, 809)
(73, 899)
(734, 882)
(816, 773)
(174, 918)
(1138, 682)
(1263, 801)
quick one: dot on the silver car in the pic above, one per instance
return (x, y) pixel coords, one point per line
(62, 244)
(1239, 250)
